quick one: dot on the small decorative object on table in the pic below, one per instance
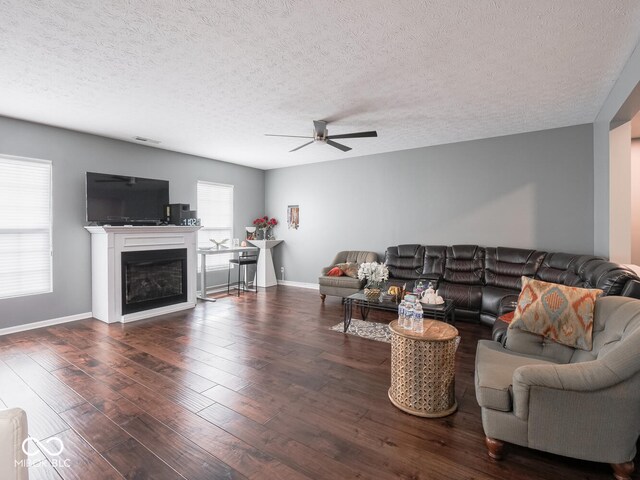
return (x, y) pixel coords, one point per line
(220, 243)
(265, 224)
(251, 233)
(431, 297)
(375, 274)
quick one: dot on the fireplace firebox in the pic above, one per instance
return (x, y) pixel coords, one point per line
(153, 278)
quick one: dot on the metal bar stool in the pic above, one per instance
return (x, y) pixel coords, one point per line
(244, 259)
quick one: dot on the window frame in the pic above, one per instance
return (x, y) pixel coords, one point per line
(221, 260)
(3, 231)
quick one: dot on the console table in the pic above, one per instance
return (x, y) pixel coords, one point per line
(203, 252)
(266, 273)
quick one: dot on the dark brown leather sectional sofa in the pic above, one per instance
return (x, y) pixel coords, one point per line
(484, 282)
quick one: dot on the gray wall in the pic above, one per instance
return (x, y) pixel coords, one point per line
(73, 154)
(533, 190)
(627, 81)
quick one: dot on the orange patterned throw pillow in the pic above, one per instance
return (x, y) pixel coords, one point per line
(560, 313)
(335, 272)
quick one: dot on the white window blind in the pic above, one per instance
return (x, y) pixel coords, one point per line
(25, 226)
(215, 210)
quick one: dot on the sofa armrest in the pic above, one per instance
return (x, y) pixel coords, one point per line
(325, 270)
(631, 289)
(508, 303)
(13, 431)
(499, 330)
(586, 377)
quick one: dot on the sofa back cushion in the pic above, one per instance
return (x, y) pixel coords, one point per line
(404, 261)
(357, 256)
(434, 260)
(464, 264)
(616, 338)
(615, 320)
(560, 268)
(609, 277)
(504, 267)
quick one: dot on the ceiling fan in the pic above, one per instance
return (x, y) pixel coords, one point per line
(321, 135)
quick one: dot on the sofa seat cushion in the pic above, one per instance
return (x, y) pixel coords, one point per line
(343, 281)
(465, 297)
(494, 374)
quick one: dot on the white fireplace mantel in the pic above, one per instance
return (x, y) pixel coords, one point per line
(107, 246)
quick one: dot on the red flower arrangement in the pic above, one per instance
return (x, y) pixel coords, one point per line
(265, 222)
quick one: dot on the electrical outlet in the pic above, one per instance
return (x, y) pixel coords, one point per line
(281, 269)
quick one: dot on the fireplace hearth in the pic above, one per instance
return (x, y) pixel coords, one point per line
(153, 278)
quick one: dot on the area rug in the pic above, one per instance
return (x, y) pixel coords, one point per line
(371, 330)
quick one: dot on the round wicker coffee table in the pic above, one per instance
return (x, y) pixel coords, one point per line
(423, 369)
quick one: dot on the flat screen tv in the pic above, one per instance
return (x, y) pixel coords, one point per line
(124, 200)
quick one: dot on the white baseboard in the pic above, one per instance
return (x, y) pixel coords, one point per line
(154, 312)
(288, 283)
(45, 323)
(219, 288)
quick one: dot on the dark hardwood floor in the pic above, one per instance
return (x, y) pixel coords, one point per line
(253, 387)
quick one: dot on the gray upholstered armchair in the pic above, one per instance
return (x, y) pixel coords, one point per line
(581, 404)
(344, 286)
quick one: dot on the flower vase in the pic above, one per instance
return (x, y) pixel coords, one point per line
(372, 292)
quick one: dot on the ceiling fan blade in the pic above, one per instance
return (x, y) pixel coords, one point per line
(290, 136)
(304, 145)
(356, 135)
(339, 146)
(320, 127)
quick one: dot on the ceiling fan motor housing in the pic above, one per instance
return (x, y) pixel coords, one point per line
(320, 136)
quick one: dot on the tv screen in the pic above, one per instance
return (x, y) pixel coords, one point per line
(121, 200)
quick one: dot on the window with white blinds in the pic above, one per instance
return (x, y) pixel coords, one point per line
(25, 226)
(215, 210)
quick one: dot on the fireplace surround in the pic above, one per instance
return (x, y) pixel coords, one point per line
(140, 272)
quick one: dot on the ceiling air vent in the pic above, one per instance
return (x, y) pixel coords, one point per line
(146, 140)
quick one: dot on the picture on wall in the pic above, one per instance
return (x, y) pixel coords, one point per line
(293, 216)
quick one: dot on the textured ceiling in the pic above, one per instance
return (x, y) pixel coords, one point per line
(210, 78)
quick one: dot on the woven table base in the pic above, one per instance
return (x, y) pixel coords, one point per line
(423, 369)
